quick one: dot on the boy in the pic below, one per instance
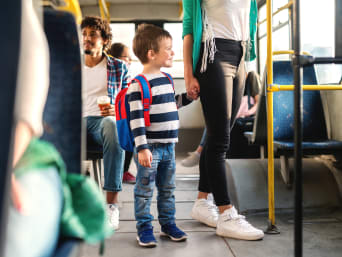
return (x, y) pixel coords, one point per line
(154, 145)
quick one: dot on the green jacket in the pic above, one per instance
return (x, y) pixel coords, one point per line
(192, 24)
(83, 214)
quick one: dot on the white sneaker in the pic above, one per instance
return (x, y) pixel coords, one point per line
(191, 160)
(205, 211)
(113, 216)
(231, 224)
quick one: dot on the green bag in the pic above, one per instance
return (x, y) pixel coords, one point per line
(84, 211)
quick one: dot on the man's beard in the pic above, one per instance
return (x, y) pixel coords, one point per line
(87, 51)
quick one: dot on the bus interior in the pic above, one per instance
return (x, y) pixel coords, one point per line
(262, 163)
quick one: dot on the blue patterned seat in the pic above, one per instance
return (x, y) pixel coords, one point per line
(315, 139)
(63, 111)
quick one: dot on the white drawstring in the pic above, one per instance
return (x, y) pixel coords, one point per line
(209, 42)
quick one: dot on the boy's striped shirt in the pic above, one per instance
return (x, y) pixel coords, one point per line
(163, 113)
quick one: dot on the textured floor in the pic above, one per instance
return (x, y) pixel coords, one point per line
(322, 230)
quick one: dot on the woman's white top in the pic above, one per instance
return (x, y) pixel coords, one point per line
(229, 19)
(33, 71)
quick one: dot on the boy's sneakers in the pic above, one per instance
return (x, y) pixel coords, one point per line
(173, 232)
(113, 216)
(233, 225)
(146, 238)
(191, 160)
(206, 212)
(128, 178)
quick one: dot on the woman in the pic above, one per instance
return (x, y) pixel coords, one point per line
(215, 34)
(36, 189)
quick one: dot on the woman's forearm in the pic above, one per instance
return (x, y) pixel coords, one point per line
(22, 137)
(187, 56)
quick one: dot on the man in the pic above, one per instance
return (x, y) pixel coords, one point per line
(103, 76)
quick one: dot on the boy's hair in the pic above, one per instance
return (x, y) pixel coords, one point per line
(102, 25)
(147, 37)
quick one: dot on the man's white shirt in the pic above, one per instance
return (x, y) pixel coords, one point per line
(95, 85)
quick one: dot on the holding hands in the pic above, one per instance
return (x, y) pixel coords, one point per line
(192, 87)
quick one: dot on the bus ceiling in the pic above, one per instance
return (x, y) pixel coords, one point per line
(127, 10)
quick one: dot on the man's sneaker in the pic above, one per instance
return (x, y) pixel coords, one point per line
(191, 160)
(233, 225)
(113, 216)
(173, 232)
(128, 178)
(205, 211)
(146, 238)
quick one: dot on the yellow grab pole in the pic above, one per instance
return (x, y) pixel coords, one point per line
(269, 64)
(276, 88)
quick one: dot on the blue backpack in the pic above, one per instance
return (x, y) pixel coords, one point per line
(122, 111)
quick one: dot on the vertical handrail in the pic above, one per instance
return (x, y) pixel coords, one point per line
(269, 64)
(72, 6)
(104, 10)
(298, 134)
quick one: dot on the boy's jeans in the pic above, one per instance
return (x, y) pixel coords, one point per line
(102, 130)
(161, 174)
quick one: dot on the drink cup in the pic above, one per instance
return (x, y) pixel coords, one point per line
(103, 102)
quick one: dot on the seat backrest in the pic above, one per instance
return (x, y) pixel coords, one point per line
(314, 128)
(260, 122)
(11, 16)
(63, 111)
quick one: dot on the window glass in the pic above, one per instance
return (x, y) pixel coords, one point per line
(318, 36)
(124, 33)
(281, 32)
(175, 29)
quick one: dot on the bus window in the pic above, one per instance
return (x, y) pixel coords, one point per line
(124, 33)
(281, 33)
(175, 29)
(318, 36)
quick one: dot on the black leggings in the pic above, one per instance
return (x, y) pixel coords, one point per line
(221, 91)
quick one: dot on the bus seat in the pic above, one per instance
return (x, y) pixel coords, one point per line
(259, 134)
(11, 16)
(63, 110)
(315, 140)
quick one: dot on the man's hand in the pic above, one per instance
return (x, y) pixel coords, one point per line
(192, 87)
(108, 110)
(145, 158)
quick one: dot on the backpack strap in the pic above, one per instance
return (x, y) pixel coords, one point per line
(146, 96)
(170, 79)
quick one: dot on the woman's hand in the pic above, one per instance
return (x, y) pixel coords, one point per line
(17, 196)
(192, 87)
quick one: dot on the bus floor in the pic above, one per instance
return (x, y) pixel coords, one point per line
(322, 230)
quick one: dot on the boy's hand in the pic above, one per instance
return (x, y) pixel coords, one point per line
(145, 158)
